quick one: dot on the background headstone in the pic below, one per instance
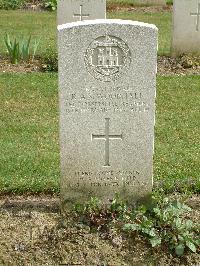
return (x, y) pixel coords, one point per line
(78, 10)
(107, 81)
(186, 27)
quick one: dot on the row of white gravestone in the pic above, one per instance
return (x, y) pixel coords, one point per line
(74, 10)
(186, 19)
(78, 10)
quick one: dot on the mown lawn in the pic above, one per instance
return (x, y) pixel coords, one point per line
(29, 159)
(161, 20)
(42, 25)
(177, 142)
(29, 132)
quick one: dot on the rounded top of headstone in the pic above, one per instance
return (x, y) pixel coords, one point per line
(106, 22)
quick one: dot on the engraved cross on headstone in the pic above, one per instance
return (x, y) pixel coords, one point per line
(81, 15)
(107, 138)
(198, 17)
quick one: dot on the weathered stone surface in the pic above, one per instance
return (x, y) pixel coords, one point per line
(186, 27)
(78, 10)
(107, 81)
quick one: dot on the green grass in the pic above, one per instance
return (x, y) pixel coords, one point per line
(17, 4)
(177, 131)
(43, 25)
(169, 2)
(122, 3)
(29, 132)
(125, 3)
(161, 20)
(11, 4)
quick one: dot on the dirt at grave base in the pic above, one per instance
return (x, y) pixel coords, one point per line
(183, 65)
(33, 233)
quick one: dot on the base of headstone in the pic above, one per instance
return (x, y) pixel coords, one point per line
(67, 205)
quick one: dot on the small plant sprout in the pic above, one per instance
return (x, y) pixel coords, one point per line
(165, 222)
(13, 49)
(21, 49)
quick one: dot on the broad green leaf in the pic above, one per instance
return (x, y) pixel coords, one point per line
(155, 241)
(180, 249)
(178, 223)
(186, 208)
(191, 246)
(157, 211)
(152, 232)
(35, 47)
(166, 200)
(180, 238)
(189, 224)
(131, 227)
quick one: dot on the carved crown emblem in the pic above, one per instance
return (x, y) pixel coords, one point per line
(107, 57)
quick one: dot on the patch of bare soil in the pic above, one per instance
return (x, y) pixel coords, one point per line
(143, 9)
(183, 65)
(34, 5)
(38, 5)
(23, 67)
(32, 232)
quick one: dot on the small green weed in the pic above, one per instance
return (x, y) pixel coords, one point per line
(176, 229)
(25, 49)
(169, 2)
(50, 60)
(166, 223)
(11, 4)
(163, 222)
(20, 50)
(13, 49)
(50, 4)
(95, 213)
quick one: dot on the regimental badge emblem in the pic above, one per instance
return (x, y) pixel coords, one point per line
(107, 58)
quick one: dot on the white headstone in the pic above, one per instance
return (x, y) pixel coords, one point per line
(186, 27)
(107, 82)
(79, 10)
